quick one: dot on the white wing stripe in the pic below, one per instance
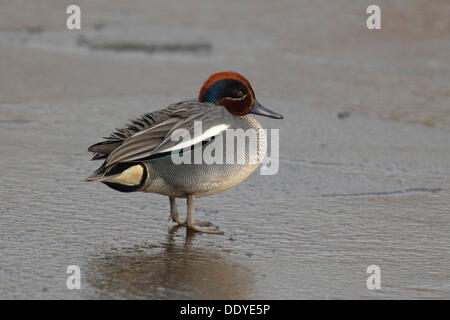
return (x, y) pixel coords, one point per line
(188, 140)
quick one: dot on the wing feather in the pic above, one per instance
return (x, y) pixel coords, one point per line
(158, 139)
(151, 134)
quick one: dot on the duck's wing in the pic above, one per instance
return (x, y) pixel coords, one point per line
(173, 134)
(102, 149)
(194, 121)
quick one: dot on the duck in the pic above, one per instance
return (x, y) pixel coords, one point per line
(153, 153)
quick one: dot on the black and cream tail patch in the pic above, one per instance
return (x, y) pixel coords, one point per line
(130, 177)
(126, 177)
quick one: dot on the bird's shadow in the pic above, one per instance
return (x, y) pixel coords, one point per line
(173, 269)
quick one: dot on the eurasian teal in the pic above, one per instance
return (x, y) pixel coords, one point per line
(140, 156)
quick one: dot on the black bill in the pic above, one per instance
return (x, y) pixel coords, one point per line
(263, 111)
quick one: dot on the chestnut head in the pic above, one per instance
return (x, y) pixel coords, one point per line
(232, 91)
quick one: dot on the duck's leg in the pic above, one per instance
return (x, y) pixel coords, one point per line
(174, 212)
(198, 226)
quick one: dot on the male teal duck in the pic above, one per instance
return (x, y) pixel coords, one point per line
(141, 155)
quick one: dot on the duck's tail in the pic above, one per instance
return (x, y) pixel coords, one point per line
(125, 177)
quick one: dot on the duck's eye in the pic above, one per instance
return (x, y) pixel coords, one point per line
(239, 94)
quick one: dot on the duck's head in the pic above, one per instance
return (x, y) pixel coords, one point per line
(233, 91)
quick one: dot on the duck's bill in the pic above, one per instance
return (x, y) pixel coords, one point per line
(263, 111)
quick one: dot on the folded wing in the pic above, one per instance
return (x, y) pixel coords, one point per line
(151, 135)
